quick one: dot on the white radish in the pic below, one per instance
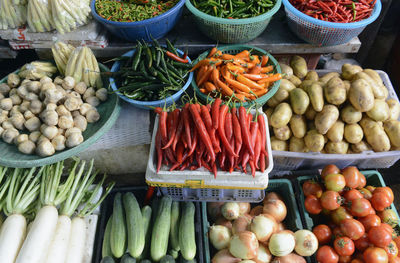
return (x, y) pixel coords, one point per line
(12, 236)
(59, 245)
(76, 245)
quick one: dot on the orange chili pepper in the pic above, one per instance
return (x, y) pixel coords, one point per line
(203, 90)
(255, 77)
(238, 86)
(248, 82)
(235, 69)
(264, 60)
(209, 86)
(256, 70)
(206, 62)
(205, 76)
(267, 69)
(224, 88)
(271, 78)
(255, 60)
(200, 72)
(212, 52)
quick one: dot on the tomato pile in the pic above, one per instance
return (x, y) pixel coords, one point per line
(360, 224)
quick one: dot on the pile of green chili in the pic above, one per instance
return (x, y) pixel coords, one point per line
(152, 73)
(234, 9)
(126, 11)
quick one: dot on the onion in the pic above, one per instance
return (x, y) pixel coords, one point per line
(276, 208)
(223, 256)
(219, 236)
(247, 261)
(241, 224)
(244, 208)
(282, 243)
(291, 258)
(222, 221)
(230, 210)
(263, 226)
(272, 196)
(244, 245)
(280, 227)
(306, 243)
(257, 210)
(214, 209)
(263, 255)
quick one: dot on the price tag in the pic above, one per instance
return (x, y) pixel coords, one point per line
(20, 34)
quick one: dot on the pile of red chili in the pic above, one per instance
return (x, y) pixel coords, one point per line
(211, 136)
(340, 11)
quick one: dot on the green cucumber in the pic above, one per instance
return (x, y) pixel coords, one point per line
(174, 233)
(187, 240)
(107, 260)
(127, 259)
(134, 225)
(145, 261)
(162, 225)
(118, 228)
(106, 248)
(167, 259)
(146, 218)
(187, 261)
(173, 253)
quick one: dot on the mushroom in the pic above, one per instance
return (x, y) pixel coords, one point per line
(58, 80)
(9, 135)
(13, 80)
(18, 121)
(85, 107)
(72, 104)
(75, 113)
(27, 147)
(49, 131)
(1, 130)
(31, 96)
(22, 91)
(6, 104)
(4, 88)
(33, 124)
(36, 106)
(34, 86)
(51, 106)
(102, 94)
(92, 116)
(94, 101)
(1, 96)
(46, 86)
(21, 138)
(24, 106)
(34, 136)
(3, 118)
(80, 88)
(49, 117)
(70, 131)
(42, 138)
(45, 148)
(45, 80)
(62, 111)
(80, 122)
(14, 110)
(68, 83)
(60, 131)
(90, 92)
(58, 142)
(28, 115)
(16, 99)
(53, 95)
(12, 92)
(74, 139)
(7, 125)
(65, 122)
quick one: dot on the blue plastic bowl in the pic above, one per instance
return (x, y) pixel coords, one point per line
(157, 27)
(149, 104)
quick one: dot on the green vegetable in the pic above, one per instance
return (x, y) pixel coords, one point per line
(106, 249)
(187, 240)
(118, 228)
(167, 259)
(187, 261)
(146, 218)
(134, 224)
(145, 261)
(162, 224)
(107, 260)
(136, 57)
(174, 234)
(127, 259)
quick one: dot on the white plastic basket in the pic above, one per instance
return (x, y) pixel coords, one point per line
(202, 178)
(289, 161)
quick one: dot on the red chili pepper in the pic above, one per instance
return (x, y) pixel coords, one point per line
(245, 159)
(199, 153)
(257, 149)
(173, 126)
(205, 114)
(231, 157)
(221, 130)
(158, 110)
(185, 54)
(228, 126)
(170, 155)
(184, 166)
(237, 131)
(214, 169)
(215, 112)
(243, 119)
(222, 157)
(163, 127)
(186, 122)
(205, 165)
(179, 153)
(176, 58)
(159, 150)
(149, 195)
(253, 168)
(178, 134)
(194, 143)
(263, 130)
(262, 162)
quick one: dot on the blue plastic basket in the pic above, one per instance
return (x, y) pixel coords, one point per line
(323, 33)
(157, 27)
(149, 104)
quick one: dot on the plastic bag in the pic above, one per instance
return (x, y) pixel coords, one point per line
(39, 16)
(12, 15)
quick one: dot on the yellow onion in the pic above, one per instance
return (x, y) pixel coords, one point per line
(244, 245)
(222, 221)
(241, 224)
(244, 208)
(263, 255)
(306, 243)
(219, 236)
(257, 210)
(223, 256)
(282, 243)
(247, 261)
(276, 208)
(291, 258)
(263, 226)
(214, 209)
(280, 227)
(230, 210)
(272, 196)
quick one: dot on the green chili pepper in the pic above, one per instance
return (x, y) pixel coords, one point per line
(137, 55)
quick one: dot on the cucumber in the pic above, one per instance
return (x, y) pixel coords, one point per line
(106, 249)
(127, 259)
(173, 253)
(118, 228)
(167, 259)
(107, 260)
(162, 225)
(134, 225)
(146, 219)
(187, 240)
(187, 261)
(174, 234)
(145, 261)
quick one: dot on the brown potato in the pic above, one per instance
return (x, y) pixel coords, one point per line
(361, 147)
(269, 112)
(335, 133)
(337, 147)
(353, 133)
(361, 95)
(283, 133)
(281, 115)
(347, 85)
(335, 91)
(325, 119)
(348, 71)
(392, 129)
(298, 125)
(299, 66)
(350, 115)
(380, 111)
(316, 95)
(282, 94)
(306, 83)
(295, 80)
(375, 135)
(377, 90)
(325, 78)
(314, 141)
(312, 75)
(278, 145)
(310, 113)
(287, 71)
(299, 101)
(297, 145)
(394, 109)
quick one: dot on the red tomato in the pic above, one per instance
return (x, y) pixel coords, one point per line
(331, 200)
(312, 188)
(370, 188)
(370, 221)
(339, 214)
(362, 243)
(352, 194)
(352, 176)
(389, 216)
(327, 254)
(313, 205)
(352, 228)
(375, 255)
(387, 227)
(356, 260)
(363, 181)
(366, 193)
(391, 250)
(360, 207)
(397, 241)
(394, 260)
(337, 232)
(386, 190)
(344, 259)
(380, 201)
(379, 236)
(335, 182)
(323, 234)
(329, 169)
(344, 246)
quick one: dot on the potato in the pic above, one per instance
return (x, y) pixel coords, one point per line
(295, 80)
(299, 101)
(269, 112)
(312, 75)
(297, 145)
(298, 125)
(324, 79)
(335, 92)
(360, 147)
(316, 95)
(305, 84)
(348, 71)
(282, 94)
(311, 125)
(394, 109)
(378, 92)
(353, 133)
(347, 85)
(337, 147)
(283, 133)
(380, 111)
(350, 115)
(375, 76)
(392, 129)
(361, 95)
(375, 135)
(325, 119)
(314, 141)
(310, 113)
(287, 71)
(278, 145)
(299, 66)
(281, 115)
(335, 133)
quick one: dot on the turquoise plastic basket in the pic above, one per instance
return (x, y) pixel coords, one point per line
(234, 49)
(232, 31)
(323, 33)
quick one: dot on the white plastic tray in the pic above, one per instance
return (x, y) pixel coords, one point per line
(289, 161)
(202, 178)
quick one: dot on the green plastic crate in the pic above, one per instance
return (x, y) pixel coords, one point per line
(292, 221)
(234, 49)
